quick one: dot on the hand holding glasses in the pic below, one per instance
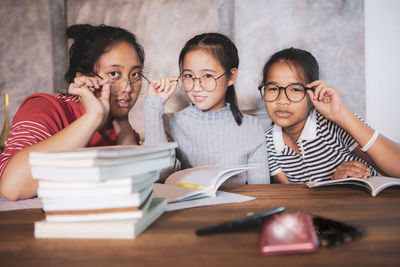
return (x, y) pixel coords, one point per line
(294, 92)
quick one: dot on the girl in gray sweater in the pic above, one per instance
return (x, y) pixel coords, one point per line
(211, 130)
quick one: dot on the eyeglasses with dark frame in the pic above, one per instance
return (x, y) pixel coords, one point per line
(122, 83)
(208, 82)
(295, 92)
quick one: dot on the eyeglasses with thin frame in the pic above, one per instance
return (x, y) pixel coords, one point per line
(295, 92)
(119, 84)
(208, 82)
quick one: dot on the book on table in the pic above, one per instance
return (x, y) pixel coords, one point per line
(374, 184)
(116, 162)
(107, 229)
(96, 202)
(194, 183)
(102, 192)
(85, 215)
(123, 186)
(102, 156)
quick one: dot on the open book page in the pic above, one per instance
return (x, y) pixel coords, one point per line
(33, 203)
(221, 198)
(373, 184)
(205, 178)
(378, 183)
(175, 193)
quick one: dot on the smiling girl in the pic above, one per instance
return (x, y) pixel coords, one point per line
(314, 136)
(211, 130)
(104, 76)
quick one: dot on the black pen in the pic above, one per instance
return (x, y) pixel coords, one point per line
(239, 224)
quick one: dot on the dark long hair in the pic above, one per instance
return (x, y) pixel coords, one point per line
(303, 61)
(90, 42)
(225, 51)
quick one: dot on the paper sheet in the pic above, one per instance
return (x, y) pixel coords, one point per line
(33, 203)
(221, 198)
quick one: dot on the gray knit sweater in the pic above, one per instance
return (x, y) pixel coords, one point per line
(209, 138)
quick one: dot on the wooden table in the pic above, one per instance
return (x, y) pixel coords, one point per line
(171, 240)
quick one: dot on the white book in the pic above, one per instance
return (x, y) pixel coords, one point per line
(133, 213)
(373, 184)
(100, 173)
(105, 152)
(128, 181)
(119, 229)
(98, 202)
(108, 188)
(195, 182)
(91, 162)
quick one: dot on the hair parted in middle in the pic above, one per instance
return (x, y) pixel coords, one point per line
(225, 51)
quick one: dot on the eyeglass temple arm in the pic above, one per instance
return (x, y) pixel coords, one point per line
(94, 73)
(141, 74)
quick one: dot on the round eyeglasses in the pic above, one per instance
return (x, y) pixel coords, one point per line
(118, 85)
(208, 82)
(294, 92)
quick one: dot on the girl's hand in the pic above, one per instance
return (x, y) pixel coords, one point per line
(351, 169)
(326, 100)
(93, 94)
(163, 88)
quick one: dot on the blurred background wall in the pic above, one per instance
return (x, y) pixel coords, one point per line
(33, 45)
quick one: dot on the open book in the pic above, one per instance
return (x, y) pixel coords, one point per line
(374, 184)
(194, 183)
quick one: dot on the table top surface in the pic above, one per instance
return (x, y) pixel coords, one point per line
(171, 240)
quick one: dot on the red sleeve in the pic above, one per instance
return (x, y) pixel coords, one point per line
(137, 136)
(39, 117)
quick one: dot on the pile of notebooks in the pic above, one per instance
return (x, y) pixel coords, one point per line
(102, 192)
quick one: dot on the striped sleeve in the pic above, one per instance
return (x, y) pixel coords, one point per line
(348, 141)
(35, 121)
(22, 134)
(274, 167)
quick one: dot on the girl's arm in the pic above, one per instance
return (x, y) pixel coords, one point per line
(259, 160)
(281, 178)
(258, 157)
(159, 92)
(125, 134)
(17, 181)
(384, 153)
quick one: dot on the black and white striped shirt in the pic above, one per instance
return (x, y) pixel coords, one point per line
(323, 147)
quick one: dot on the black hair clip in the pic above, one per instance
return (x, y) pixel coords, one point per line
(333, 233)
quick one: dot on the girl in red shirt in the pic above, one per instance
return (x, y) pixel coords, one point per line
(105, 80)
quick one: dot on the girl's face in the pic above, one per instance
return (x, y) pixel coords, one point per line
(198, 63)
(282, 111)
(121, 62)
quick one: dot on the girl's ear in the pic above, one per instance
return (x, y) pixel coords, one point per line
(233, 76)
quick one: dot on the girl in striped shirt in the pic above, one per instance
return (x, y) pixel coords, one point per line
(104, 79)
(314, 136)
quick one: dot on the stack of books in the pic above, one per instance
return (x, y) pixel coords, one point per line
(102, 192)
